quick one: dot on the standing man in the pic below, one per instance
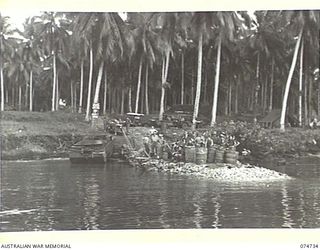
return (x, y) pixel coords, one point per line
(154, 138)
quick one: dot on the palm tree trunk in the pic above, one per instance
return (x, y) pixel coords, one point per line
(54, 83)
(130, 99)
(192, 87)
(71, 96)
(226, 103)
(12, 95)
(165, 68)
(105, 94)
(57, 92)
(286, 93)
(318, 98)
(2, 88)
(30, 92)
(256, 93)
(230, 99)
(310, 113)
(111, 97)
(75, 98)
(198, 90)
(7, 94)
(216, 86)
(205, 97)
(96, 106)
(182, 78)
(81, 86)
(122, 101)
(142, 88)
(20, 98)
(236, 100)
(271, 85)
(118, 101)
(251, 98)
(300, 83)
(89, 85)
(138, 87)
(162, 91)
(147, 90)
(265, 94)
(98, 85)
(306, 98)
(26, 96)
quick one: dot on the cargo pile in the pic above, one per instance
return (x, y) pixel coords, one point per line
(221, 172)
(205, 155)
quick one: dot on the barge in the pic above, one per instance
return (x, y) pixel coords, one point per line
(91, 150)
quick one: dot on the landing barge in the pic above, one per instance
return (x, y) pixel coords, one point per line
(91, 151)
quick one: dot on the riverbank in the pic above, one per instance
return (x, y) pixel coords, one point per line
(39, 135)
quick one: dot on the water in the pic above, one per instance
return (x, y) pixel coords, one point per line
(53, 195)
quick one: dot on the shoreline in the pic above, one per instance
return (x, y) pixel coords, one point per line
(36, 135)
(41, 147)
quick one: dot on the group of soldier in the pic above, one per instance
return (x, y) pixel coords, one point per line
(154, 143)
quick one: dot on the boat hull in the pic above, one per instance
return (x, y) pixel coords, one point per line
(85, 160)
(91, 151)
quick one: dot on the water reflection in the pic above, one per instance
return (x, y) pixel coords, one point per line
(60, 197)
(217, 207)
(163, 208)
(301, 207)
(197, 215)
(287, 221)
(90, 203)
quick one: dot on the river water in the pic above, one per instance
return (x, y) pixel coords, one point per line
(55, 195)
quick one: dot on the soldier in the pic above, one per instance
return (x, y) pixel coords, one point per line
(146, 144)
(161, 146)
(128, 122)
(154, 138)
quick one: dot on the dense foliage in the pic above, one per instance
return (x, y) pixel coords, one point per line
(231, 61)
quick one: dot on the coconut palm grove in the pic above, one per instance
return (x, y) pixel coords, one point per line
(231, 63)
(162, 120)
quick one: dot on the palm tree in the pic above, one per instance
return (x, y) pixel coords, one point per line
(201, 26)
(266, 44)
(109, 44)
(6, 48)
(83, 31)
(89, 83)
(20, 70)
(31, 53)
(102, 31)
(80, 53)
(288, 83)
(167, 24)
(141, 41)
(306, 22)
(216, 85)
(138, 86)
(228, 26)
(52, 35)
(198, 89)
(81, 86)
(300, 83)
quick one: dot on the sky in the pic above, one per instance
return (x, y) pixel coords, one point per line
(17, 18)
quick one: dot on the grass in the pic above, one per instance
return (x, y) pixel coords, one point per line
(30, 135)
(42, 123)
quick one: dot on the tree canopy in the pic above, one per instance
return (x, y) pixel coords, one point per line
(225, 62)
